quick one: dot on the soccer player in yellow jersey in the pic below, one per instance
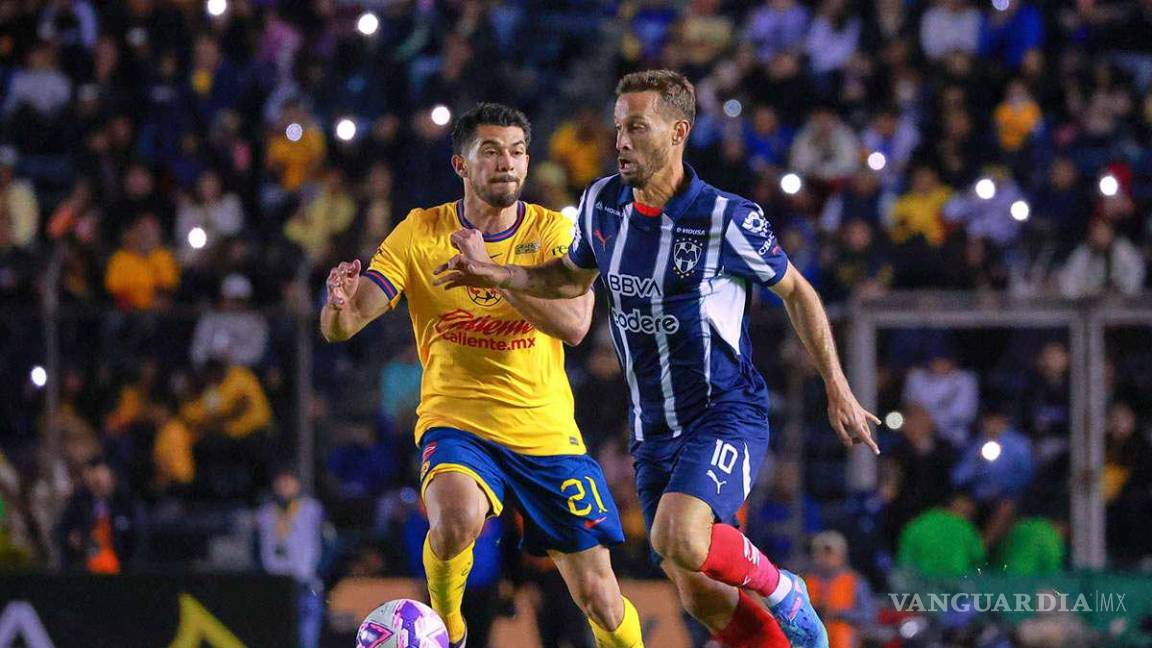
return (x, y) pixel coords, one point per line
(496, 412)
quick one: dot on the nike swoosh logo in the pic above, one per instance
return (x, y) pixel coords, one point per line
(592, 523)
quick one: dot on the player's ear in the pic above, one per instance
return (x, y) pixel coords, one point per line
(459, 166)
(680, 131)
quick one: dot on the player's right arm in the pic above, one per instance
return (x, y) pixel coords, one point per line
(559, 278)
(352, 304)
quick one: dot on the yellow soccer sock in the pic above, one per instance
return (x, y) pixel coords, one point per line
(626, 635)
(446, 581)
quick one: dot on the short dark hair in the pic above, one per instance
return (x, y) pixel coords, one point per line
(487, 114)
(676, 91)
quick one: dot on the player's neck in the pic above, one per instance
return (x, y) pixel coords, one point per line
(663, 184)
(489, 219)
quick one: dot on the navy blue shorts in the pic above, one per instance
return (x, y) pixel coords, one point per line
(565, 500)
(716, 459)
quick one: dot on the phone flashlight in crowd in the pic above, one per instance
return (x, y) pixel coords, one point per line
(1020, 210)
(346, 129)
(368, 23)
(990, 451)
(441, 115)
(197, 238)
(294, 132)
(877, 161)
(986, 188)
(39, 376)
(1109, 185)
(216, 8)
(791, 184)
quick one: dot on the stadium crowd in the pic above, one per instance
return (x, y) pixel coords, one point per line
(176, 179)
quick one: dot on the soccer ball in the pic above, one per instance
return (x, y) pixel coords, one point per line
(402, 623)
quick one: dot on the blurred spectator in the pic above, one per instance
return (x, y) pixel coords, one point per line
(1104, 263)
(230, 419)
(39, 86)
(1046, 403)
(832, 37)
(217, 213)
(767, 140)
(139, 196)
(859, 199)
(173, 466)
(69, 23)
(705, 32)
(777, 25)
(856, 265)
(100, 524)
(1017, 117)
(362, 462)
(988, 218)
(826, 148)
(911, 480)
(782, 84)
(996, 468)
(377, 215)
(323, 218)
(17, 268)
(548, 186)
(602, 403)
(649, 30)
(142, 273)
(581, 146)
(895, 137)
(66, 220)
(1127, 484)
(839, 593)
(948, 393)
(1033, 547)
(215, 83)
(1010, 33)
(1060, 206)
(290, 527)
(942, 541)
(400, 388)
(950, 26)
(233, 332)
(918, 213)
(18, 201)
(296, 149)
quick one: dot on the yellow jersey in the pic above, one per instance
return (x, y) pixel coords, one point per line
(487, 370)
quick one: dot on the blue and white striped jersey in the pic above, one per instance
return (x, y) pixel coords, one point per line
(677, 284)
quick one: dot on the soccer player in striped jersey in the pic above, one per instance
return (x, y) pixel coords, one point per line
(495, 415)
(675, 257)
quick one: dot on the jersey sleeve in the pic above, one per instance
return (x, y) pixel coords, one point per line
(750, 249)
(389, 266)
(580, 251)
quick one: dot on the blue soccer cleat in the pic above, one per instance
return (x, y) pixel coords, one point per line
(797, 618)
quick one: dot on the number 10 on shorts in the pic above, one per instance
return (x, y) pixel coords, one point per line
(724, 456)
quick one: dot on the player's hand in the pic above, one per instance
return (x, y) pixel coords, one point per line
(342, 281)
(470, 242)
(852, 423)
(463, 271)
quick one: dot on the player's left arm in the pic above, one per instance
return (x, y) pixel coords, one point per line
(849, 419)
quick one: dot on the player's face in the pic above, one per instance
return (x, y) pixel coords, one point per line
(644, 137)
(496, 164)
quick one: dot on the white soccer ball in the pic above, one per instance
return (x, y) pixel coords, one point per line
(402, 623)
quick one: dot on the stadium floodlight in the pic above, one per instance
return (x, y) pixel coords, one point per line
(877, 161)
(733, 107)
(197, 238)
(39, 376)
(1020, 210)
(346, 129)
(1109, 185)
(294, 132)
(986, 189)
(368, 23)
(990, 450)
(894, 420)
(441, 115)
(570, 212)
(216, 8)
(791, 184)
